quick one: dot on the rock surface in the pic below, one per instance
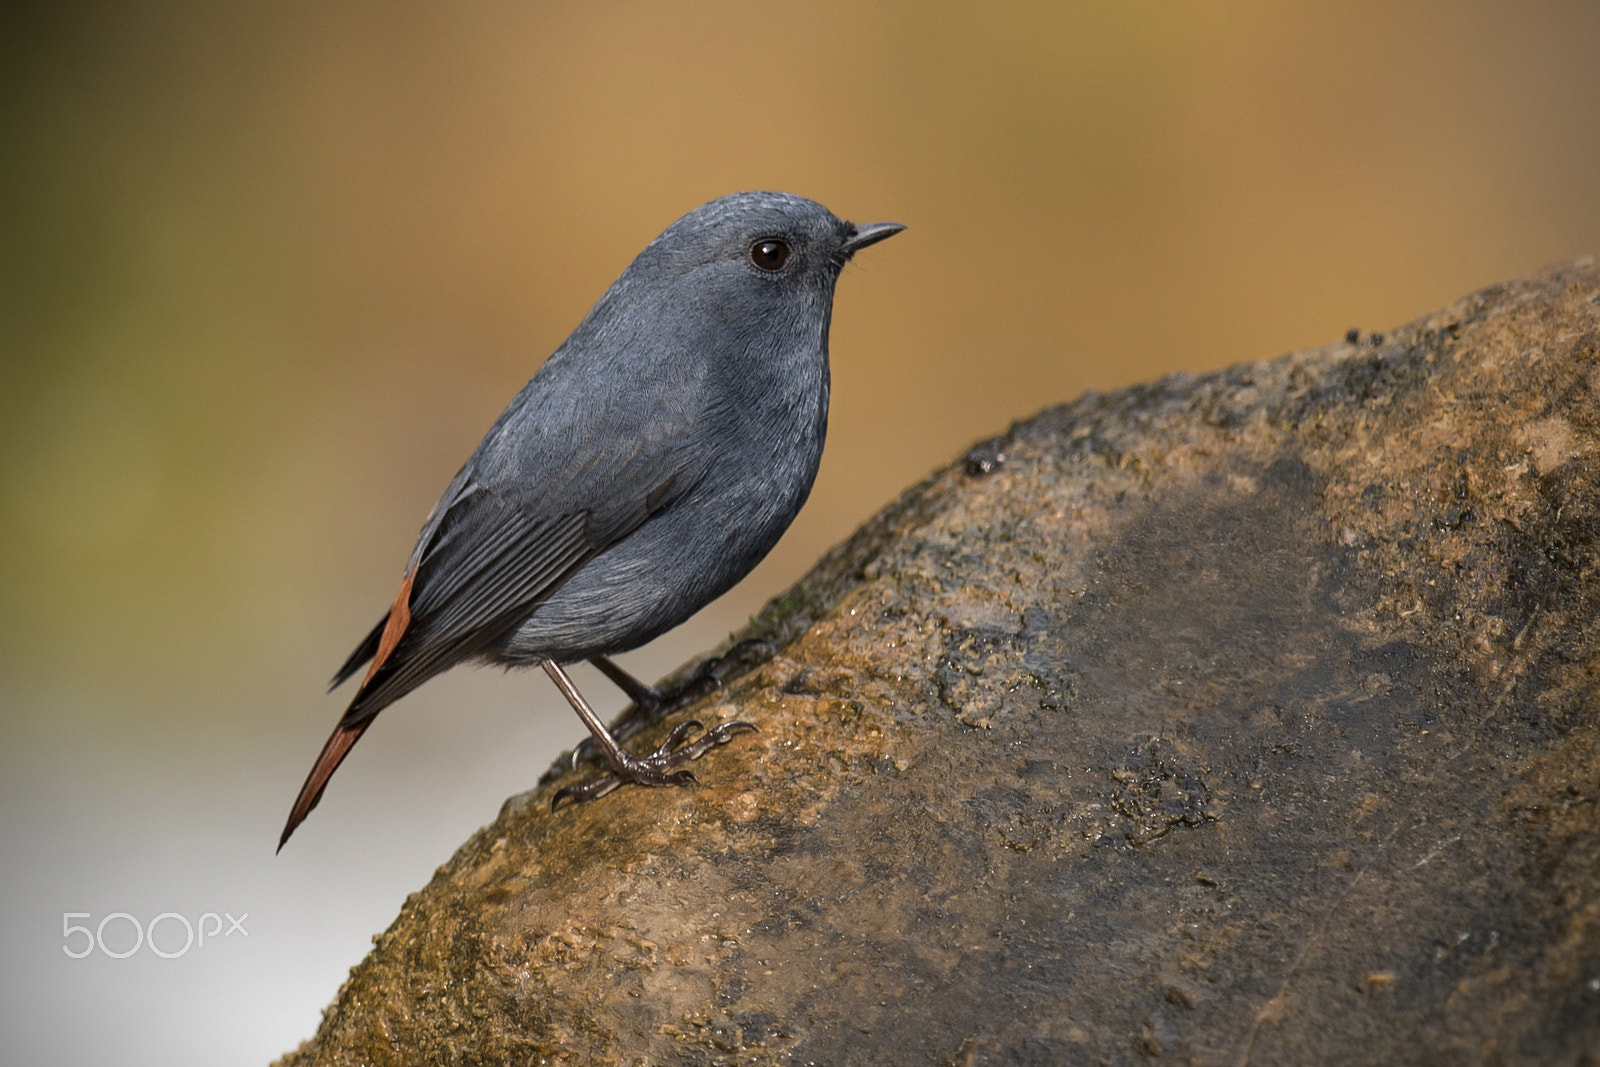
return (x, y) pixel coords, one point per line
(1241, 718)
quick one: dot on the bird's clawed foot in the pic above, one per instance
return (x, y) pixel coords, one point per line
(650, 704)
(658, 768)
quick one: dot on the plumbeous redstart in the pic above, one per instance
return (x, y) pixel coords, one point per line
(651, 462)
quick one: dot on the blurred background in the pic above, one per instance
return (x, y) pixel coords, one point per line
(270, 270)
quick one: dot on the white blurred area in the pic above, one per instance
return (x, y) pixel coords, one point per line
(126, 819)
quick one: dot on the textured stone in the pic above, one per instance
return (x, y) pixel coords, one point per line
(1247, 717)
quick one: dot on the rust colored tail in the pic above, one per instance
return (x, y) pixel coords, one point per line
(333, 754)
(379, 646)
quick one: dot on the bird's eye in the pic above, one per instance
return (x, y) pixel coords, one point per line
(770, 254)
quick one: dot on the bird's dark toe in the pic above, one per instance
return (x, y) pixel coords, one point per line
(675, 740)
(584, 792)
(709, 740)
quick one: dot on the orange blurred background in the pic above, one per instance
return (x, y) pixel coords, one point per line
(271, 270)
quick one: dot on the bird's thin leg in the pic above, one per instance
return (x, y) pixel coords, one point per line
(647, 699)
(613, 753)
(658, 768)
(649, 703)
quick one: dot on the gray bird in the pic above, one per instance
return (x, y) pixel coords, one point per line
(651, 462)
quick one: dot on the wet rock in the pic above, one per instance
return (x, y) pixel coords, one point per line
(1247, 717)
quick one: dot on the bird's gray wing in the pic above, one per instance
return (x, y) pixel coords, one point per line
(553, 485)
(491, 552)
(488, 555)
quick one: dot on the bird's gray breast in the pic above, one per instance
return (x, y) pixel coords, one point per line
(757, 442)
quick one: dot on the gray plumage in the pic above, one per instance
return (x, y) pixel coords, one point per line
(653, 461)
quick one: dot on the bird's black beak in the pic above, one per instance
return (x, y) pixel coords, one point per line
(869, 234)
